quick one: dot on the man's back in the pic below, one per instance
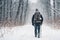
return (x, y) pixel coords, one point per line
(37, 18)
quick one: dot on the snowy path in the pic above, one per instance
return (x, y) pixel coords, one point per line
(27, 33)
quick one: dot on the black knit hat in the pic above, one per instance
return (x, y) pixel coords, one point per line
(36, 9)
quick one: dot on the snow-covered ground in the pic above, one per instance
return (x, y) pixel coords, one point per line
(27, 33)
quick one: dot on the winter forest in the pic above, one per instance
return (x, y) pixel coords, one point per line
(13, 12)
(17, 13)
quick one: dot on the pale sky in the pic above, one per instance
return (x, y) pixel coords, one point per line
(33, 1)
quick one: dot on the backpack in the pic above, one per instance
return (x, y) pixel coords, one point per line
(37, 18)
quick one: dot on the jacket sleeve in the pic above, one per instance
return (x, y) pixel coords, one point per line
(42, 19)
(33, 20)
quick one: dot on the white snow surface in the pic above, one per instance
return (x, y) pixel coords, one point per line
(26, 32)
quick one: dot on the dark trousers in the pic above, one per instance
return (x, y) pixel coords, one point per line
(37, 30)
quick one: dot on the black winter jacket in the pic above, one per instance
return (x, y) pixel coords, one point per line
(40, 20)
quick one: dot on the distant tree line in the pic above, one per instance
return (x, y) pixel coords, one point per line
(13, 12)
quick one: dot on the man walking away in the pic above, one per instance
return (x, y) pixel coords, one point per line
(37, 21)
